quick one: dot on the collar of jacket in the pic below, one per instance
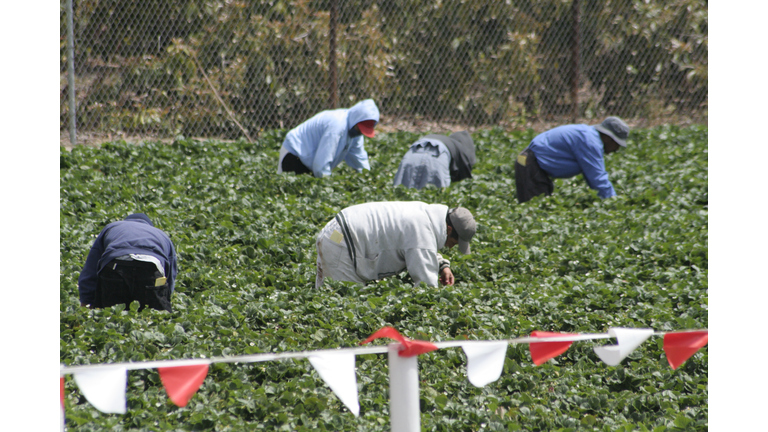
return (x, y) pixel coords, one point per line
(436, 213)
(462, 150)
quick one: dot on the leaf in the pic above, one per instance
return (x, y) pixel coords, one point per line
(441, 400)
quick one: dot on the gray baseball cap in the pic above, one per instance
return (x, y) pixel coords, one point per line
(464, 224)
(615, 128)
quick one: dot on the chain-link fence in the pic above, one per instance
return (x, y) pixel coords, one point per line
(230, 69)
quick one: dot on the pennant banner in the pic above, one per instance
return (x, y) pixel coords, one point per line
(627, 341)
(104, 385)
(679, 347)
(338, 372)
(182, 382)
(104, 388)
(543, 351)
(412, 347)
(485, 361)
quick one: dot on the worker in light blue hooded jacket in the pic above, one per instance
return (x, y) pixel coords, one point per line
(320, 144)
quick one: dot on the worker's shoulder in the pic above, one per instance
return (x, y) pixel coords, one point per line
(570, 129)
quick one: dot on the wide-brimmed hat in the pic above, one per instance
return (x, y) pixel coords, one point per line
(615, 128)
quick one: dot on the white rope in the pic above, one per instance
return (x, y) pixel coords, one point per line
(256, 358)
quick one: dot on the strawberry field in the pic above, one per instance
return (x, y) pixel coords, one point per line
(245, 240)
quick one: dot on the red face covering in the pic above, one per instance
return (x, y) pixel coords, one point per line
(366, 128)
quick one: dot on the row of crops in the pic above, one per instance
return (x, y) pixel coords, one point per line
(245, 239)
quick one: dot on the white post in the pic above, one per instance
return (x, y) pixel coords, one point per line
(404, 410)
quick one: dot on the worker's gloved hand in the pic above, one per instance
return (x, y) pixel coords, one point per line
(446, 276)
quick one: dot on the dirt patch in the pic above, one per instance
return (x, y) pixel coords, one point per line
(390, 125)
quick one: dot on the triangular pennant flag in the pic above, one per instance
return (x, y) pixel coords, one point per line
(61, 418)
(181, 382)
(385, 332)
(412, 347)
(104, 388)
(416, 347)
(338, 371)
(61, 406)
(543, 351)
(627, 341)
(679, 347)
(485, 361)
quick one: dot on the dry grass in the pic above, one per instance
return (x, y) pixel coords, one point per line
(390, 124)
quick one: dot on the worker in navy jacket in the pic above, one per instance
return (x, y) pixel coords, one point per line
(130, 260)
(567, 151)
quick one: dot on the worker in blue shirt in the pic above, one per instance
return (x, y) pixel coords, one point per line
(129, 260)
(320, 144)
(567, 151)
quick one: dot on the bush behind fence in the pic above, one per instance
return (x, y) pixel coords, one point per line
(221, 68)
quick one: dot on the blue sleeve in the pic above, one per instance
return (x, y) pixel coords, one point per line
(590, 159)
(174, 270)
(326, 152)
(86, 283)
(357, 157)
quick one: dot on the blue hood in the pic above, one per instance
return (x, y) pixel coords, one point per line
(362, 111)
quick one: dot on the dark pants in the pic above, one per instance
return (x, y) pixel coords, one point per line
(122, 282)
(292, 163)
(530, 179)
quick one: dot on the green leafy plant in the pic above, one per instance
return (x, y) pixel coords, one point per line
(245, 240)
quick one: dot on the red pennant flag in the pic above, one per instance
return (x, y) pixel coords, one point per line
(543, 351)
(412, 347)
(181, 382)
(61, 411)
(679, 347)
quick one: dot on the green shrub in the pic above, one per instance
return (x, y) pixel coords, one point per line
(480, 62)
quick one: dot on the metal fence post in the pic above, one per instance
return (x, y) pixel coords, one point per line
(71, 73)
(575, 60)
(332, 75)
(404, 410)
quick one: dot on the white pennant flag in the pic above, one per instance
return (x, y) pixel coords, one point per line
(104, 388)
(61, 416)
(627, 340)
(338, 371)
(485, 361)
